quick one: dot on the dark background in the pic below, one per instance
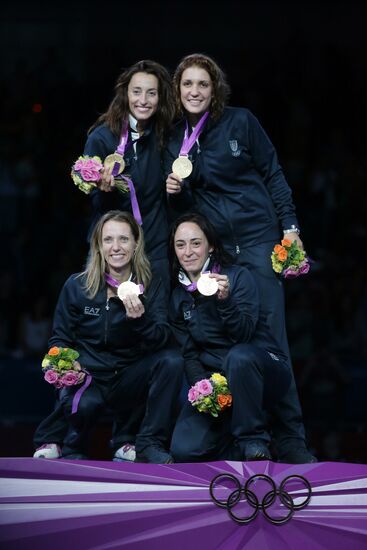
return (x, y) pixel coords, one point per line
(300, 67)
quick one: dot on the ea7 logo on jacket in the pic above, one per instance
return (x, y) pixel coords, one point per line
(233, 143)
(92, 311)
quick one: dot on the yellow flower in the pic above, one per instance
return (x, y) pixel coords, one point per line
(46, 363)
(218, 378)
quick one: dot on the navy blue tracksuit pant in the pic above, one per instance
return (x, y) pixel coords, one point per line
(152, 384)
(287, 422)
(257, 380)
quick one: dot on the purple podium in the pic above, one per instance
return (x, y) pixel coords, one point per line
(60, 504)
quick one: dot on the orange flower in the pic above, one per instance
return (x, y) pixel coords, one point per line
(224, 400)
(278, 248)
(282, 255)
(54, 351)
(286, 242)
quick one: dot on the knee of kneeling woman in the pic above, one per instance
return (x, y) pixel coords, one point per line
(173, 363)
(242, 356)
(86, 407)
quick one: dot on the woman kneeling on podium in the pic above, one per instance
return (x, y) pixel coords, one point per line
(216, 318)
(114, 314)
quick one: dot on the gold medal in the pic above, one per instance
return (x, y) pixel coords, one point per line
(207, 286)
(182, 167)
(126, 288)
(115, 157)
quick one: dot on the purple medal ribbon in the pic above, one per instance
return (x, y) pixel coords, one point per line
(122, 146)
(114, 282)
(188, 142)
(193, 286)
(133, 200)
(79, 393)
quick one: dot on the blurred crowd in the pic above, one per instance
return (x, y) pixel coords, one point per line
(311, 102)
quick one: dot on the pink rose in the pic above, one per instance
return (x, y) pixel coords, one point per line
(193, 394)
(304, 268)
(90, 174)
(291, 273)
(89, 169)
(70, 378)
(78, 165)
(51, 376)
(204, 387)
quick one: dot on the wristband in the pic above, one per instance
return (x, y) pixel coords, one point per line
(292, 229)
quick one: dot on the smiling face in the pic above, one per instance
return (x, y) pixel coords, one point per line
(143, 96)
(196, 89)
(192, 248)
(118, 245)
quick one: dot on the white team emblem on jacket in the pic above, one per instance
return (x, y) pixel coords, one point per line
(92, 311)
(233, 143)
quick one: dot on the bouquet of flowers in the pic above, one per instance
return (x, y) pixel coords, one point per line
(211, 395)
(289, 259)
(61, 367)
(86, 173)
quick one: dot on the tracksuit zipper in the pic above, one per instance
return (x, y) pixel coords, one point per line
(107, 307)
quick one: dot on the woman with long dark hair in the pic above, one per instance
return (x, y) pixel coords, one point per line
(135, 127)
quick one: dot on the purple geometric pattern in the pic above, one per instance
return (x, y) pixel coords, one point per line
(54, 504)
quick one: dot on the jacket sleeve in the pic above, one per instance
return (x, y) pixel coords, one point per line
(266, 162)
(194, 370)
(153, 326)
(240, 311)
(66, 317)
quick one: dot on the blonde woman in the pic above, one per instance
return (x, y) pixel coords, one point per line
(121, 340)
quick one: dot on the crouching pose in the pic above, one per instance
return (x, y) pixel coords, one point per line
(121, 333)
(217, 322)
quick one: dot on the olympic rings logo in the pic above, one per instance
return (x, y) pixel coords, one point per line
(245, 493)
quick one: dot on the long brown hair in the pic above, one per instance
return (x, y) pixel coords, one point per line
(96, 263)
(221, 89)
(118, 109)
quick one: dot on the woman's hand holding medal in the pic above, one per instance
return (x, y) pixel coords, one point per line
(213, 283)
(223, 285)
(173, 184)
(129, 292)
(182, 166)
(133, 306)
(107, 181)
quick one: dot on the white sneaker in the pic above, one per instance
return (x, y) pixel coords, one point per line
(126, 453)
(49, 450)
